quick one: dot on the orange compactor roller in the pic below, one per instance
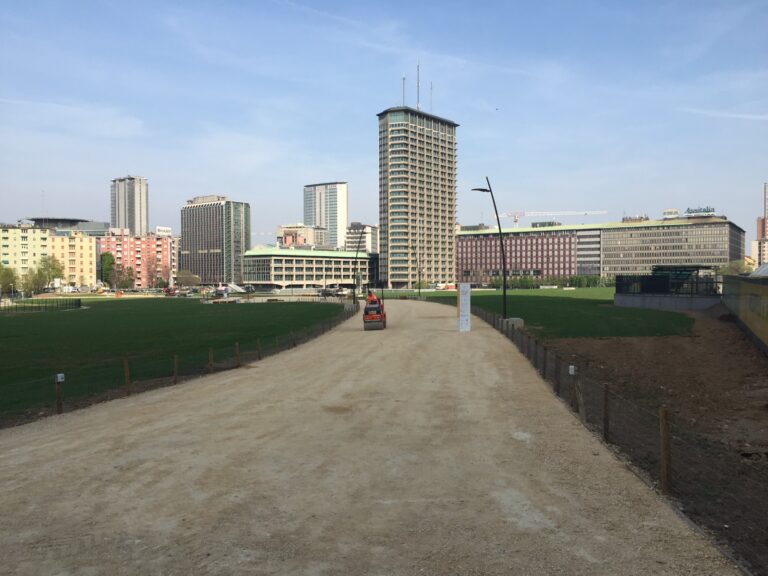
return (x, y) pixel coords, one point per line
(374, 316)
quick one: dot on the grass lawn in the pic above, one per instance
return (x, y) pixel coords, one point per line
(580, 313)
(88, 345)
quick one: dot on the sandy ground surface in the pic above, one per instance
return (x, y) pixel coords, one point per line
(414, 450)
(715, 381)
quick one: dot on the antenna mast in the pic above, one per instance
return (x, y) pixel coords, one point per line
(418, 87)
(403, 89)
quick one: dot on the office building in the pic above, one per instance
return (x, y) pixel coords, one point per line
(759, 251)
(326, 206)
(363, 238)
(302, 268)
(417, 198)
(129, 204)
(302, 235)
(760, 244)
(599, 249)
(215, 233)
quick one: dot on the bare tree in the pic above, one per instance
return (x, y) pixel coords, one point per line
(150, 272)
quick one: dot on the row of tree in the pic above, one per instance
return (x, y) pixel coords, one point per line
(123, 277)
(35, 280)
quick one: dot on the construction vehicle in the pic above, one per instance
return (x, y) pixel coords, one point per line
(374, 316)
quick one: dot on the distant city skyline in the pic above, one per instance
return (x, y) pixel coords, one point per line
(628, 108)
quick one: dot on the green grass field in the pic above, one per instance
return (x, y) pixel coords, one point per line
(580, 313)
(88, 345)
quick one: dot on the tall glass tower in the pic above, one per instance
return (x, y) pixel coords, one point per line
(417, 198)
(327, 206)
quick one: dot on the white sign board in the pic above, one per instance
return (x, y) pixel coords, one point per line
(465, 303)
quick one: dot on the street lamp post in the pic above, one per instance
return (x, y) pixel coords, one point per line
(489, 190)
(360, 230)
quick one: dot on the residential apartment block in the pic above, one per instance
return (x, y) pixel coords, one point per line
(22, 246)
(417, 197)
(149, 257)
(77, 253)
(129, 204)
(327, 206)
(215, 233)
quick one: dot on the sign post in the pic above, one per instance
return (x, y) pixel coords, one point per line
(465, 303)
(58, 381)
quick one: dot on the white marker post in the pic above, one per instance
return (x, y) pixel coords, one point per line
(465, 303)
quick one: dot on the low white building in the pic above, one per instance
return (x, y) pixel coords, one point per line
(363, 238)
(297, 268)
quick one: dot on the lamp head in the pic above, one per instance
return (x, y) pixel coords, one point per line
(486, 190)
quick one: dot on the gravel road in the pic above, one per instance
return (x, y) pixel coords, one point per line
(413, 450)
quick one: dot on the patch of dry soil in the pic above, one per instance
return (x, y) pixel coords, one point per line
(715, 381)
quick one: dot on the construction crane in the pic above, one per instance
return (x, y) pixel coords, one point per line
(517, 215)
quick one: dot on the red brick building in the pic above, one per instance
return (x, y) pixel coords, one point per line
(545, 253)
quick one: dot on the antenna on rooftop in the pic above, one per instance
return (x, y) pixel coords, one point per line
(403, 89)
(418, 87)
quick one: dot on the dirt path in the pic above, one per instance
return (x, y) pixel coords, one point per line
(415, 450)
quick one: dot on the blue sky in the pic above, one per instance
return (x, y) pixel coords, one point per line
(628, 107)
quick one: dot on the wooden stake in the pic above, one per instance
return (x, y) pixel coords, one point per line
(127, 376)
(237, 353)
(210, 360)
(665, 463)
(175, 368)
(258, 347)
(580, 399)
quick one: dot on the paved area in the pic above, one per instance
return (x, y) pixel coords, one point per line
(413, 450)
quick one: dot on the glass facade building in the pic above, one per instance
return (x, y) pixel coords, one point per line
(216, 232)
(327, 206)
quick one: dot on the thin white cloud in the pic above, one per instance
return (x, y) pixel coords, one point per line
(725, 114)
(84, 120)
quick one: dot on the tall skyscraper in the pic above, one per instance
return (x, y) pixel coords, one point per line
(129, 204)
(215, 233)
(327, 205)
(762, 222)
(417, 198)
